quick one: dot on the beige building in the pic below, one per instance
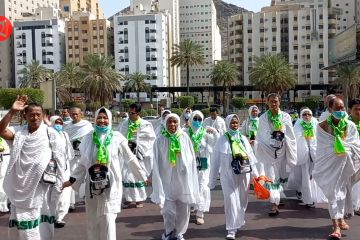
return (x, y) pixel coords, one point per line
(85, 34)
(68, 7)
(16, 10)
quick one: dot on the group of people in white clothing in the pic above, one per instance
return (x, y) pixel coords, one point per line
(56, 162)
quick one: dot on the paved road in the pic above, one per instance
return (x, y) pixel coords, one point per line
(294, 222)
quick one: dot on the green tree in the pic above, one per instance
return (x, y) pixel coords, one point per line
(186, 101)
(349, 80)
(101, 79)
(224, 74)
(238, 102)
(126, 103)
(186, 54)
(33, 74)
(136, 83)
(272, 73)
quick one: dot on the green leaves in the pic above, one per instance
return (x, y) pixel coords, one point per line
(8, 96)
(224, 73)
(272, 73)
(33, 74)
(187, 53)
(136, 83)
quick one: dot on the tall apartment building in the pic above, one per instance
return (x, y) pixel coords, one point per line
(69, 6)
(198, 23)
(85, 34)
(141, 45)
(41, 38)
(299, 30)
(16, 10)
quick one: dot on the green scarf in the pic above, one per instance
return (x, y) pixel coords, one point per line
(132, 128)
(196, 138)
(357, 125)
(339, 133)
(253, 127)
(275, 120)
(309, 130)
(102, 155)
(174, 146)
(2, 147)
(236, 146)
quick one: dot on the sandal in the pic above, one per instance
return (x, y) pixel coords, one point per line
(344, 226)
(335, 236)
(357, 212)
(273, 212)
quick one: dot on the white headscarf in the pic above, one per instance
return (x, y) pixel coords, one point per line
(108, 113)
(54, 118)
(172, 115)
(193, 114)
(251, 109)
(228, 120)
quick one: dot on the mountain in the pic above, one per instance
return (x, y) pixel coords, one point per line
(225, 10)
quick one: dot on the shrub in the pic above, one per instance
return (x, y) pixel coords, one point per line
(206, 112)
(126, 103)
(94, 106)
(186, 101)
(151, 112)
(178, 111)
(8, 96)
(238, 102)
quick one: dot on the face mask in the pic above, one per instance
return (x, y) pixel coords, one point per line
(101, 129)
(187, 116)
(233, 132)
(252, 117)
(58, 127)
(196, 124)
(339, 114)
(67, 118)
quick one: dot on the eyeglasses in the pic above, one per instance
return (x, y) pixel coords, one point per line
(197, 119)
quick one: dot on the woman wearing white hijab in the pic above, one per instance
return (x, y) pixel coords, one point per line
(174, 179)
(102, 152)
(65, 197)
(235, 184)
(203, 139)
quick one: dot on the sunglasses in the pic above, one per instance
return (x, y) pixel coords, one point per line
(197, 119)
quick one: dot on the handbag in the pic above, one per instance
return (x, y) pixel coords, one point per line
(50, 174)
(99, 178)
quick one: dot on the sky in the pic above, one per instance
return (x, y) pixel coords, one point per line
(111, 7)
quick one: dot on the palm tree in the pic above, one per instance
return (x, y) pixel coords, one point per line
(224, 73)
(101, 79)
(272, 74)
(68, 78)
(33, 74)
(349, 80)
(186, 54)
(136, 83)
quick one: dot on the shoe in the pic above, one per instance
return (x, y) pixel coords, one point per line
(139, 205)
(125, 205)
(273, 212)
(310, 205)
(299, 195)
(59, 224)
(357, 212)
(200, 221)
(168, 236)
(192, 209)
(344, 226)
(335, 236)
(230, 236)
(72, 209)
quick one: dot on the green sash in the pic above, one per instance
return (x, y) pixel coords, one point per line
(132, 128)
(237, 147)
(196, 138)
(102, 155)
(174, 146)
(309, 130)
(339, 133)
(275, 120)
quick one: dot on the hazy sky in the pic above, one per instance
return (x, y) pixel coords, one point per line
(111, 7)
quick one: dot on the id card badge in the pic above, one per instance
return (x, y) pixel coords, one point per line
(204, 163)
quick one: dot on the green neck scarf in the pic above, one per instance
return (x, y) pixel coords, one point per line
(357, 124)
(174, 145)
(309, 129)
(237, 147)
(275, 120)
(253, 127)
(132, 128)
(339, 133)
(2, 142)
(196, 138)
(102, 155)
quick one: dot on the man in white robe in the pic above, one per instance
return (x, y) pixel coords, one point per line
(337, 162)
(35, 173)
(276, 148)
(76, 130)
(235, 186)
(215, 121)
(204, 140)
(103, 147)
(63, 204)
(174, 179)
(66, 116)
(4, 163)
(141, 136)
(327, 112)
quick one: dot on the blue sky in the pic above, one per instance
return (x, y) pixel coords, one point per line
(110, 6)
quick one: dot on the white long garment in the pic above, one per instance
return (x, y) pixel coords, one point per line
(218, 124)
(31, 198)
(235, 187)
(4, 163)
(275, 167)
(134, 189)
(324, 115)
(65, 196)
(101, 208)
(299, 178)
(333, 172)
(206, 147)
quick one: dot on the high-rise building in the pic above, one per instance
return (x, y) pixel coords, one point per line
(16, 10)
(199, 24)
(85, 34)
(69, 6)
(299, 30)
(41, 38)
